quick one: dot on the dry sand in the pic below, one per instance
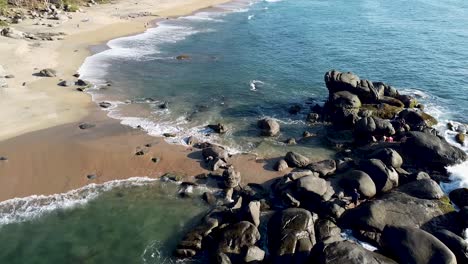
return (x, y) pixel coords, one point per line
(47, 152)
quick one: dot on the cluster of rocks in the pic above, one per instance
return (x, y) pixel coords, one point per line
(299, 217)
(460, 130)
(16, 34)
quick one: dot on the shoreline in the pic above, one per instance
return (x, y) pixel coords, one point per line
(41, 102)
(45, 142)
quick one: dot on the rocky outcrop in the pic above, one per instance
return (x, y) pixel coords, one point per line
(426, 149)
(323, 168)
(337, 81)
(359, 180)
(291, 236)
(397, 209)
(423, 189)
(268, 127)
(413, 245)
(384, 177)
(341, 252)
(456, 244)
(459, 197)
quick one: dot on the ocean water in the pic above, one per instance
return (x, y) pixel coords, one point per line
(248, 60)
(133, 221)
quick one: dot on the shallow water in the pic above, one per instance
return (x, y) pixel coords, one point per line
(129, 223)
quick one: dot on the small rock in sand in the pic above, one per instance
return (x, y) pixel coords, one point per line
(48, 72)
(169, 135)
(86, 125)
(155, 160)
(105, 104)
(9, 76)
(140, 153)
(91, 176)
(3, 158)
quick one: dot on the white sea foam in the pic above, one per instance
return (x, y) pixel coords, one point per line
(255, 84)
(250, 17)
(31, 207)
(348, 234)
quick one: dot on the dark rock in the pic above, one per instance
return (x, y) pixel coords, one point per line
(209, 198)
(341, 252)
(392, 101)
(384, 127)
(3, 158)
(313, 117)
(215, 151)
(388, 156)
(81, 82)
(237, 237)
(91, 176)
(297, 174)
(424, 189)
(222, 258)
(291, 235)
(169, 135)
(385, 178)
(164, 105)
(345, 99)
(463, 216)
(429, 150)
(307, 134)
(231, 177)
(456, 244)
(86, 125)
(365, 126)
(413, 245)
(397, 209)
(296, 160)
(281, 165)
(344, 118)
(218, 128)
(416, 119)
(66, 83)
(269, 127)
(216, 164)
(105, 104)
(9, 76)
(360, 181)
(337, 81)
(408, 100)
(77, 75)
(192, 141)
(295, 109)
(459, 197)
(155, 160)
(48, 73)
(324, 167)
(325, 229)
(312, 186)
(140, 153)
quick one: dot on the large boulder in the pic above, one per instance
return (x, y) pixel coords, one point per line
(324, 167)
(397, 209)
(326, 230)
(312, 187)
(424, 189)
(231, 178)
(360, 181)
(296, 160)
(268, 127)
(237, 237)
(384, 127)
(388, 156)
(291, 236)
(459, 197)
(344, 118)
(345, 99)
(365, 126)
(341, 252)
(413, 245)
(417, 119)
(215, 151)
(428, 150)
(384, 177)
(456, 244)
(337, 81)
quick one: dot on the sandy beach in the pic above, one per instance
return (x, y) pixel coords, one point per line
(47, 152)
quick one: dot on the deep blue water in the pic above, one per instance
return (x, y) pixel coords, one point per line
(419, 45)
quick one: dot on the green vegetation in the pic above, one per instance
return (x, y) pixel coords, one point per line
(445, 206)
(3, 7)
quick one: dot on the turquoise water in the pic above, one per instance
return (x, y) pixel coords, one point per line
(285, 47)
(126, 224)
